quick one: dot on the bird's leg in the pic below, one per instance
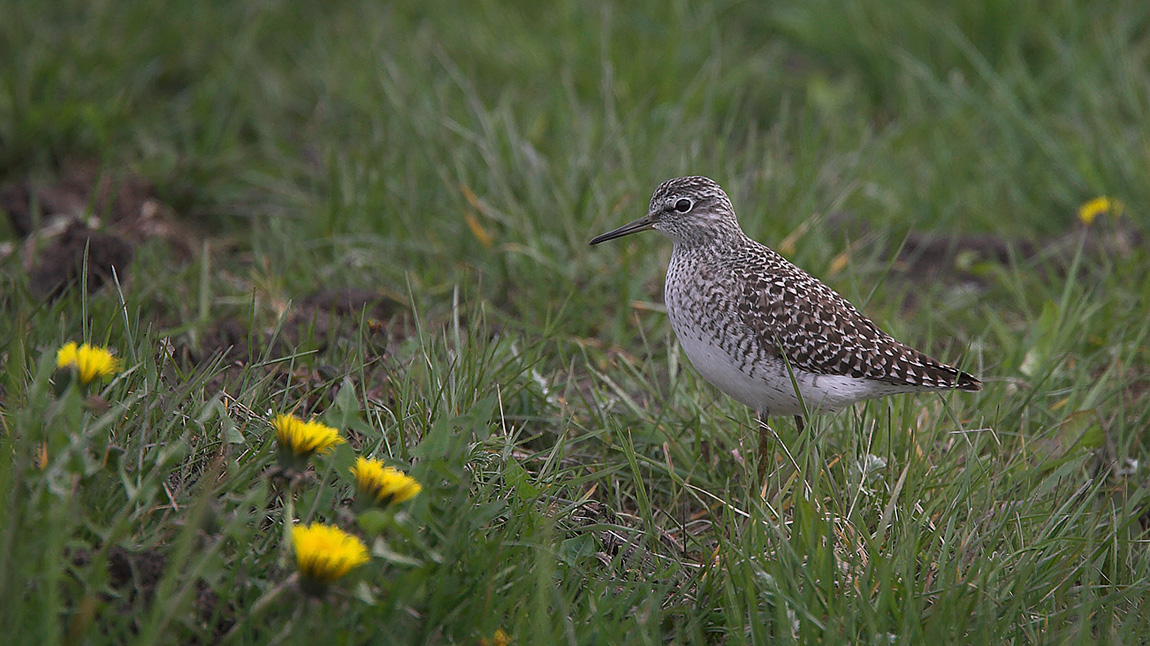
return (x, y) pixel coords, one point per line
(764, 444)
(802, 426)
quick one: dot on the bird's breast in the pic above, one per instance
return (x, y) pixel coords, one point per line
(702, 307)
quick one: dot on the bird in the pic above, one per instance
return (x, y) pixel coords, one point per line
(762, 330)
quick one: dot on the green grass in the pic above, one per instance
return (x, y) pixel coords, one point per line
(582, 484)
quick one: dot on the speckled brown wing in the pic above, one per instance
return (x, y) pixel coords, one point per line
(821, 332)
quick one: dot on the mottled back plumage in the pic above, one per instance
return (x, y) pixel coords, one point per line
(820, 331)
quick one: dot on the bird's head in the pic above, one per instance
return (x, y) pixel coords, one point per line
(687, 209)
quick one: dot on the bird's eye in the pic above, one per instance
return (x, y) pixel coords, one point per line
(683, 205)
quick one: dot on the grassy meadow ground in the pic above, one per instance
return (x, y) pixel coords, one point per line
(378, 214)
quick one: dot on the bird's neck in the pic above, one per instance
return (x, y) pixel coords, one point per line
(720, 239)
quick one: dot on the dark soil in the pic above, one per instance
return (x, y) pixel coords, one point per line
(61, 263)
(86, 210)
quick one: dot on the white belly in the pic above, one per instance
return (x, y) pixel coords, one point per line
(770, 391)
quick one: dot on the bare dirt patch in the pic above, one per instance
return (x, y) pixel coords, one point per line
(87, 210)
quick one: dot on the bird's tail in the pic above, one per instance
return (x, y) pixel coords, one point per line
(966, 381)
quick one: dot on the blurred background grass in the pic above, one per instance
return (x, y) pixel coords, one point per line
(581, 483)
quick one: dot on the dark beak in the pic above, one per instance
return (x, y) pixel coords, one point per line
(642, 224)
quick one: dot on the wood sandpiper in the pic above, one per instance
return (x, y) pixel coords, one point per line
(762, 330)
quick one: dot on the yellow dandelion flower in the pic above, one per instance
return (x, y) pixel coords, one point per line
(500, 638)
(1089, 211)
(383, 485)
(324, 554)
(89, 362)
(302, 439)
